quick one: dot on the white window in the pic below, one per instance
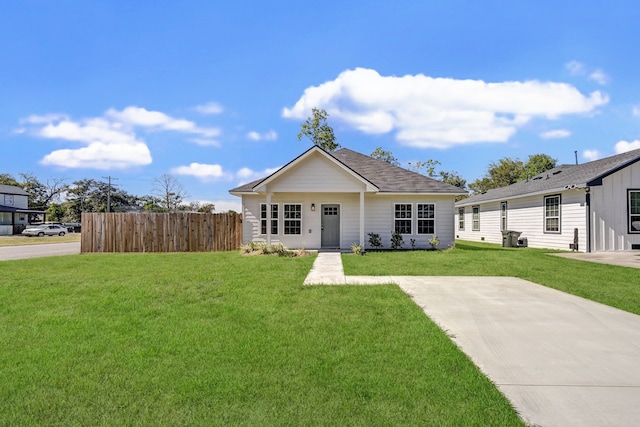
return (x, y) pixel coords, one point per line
(634, 211)
(552, 214)
(461, 219)
(292, 218)
(503, 216)
(476, 218)
(402, 218)
(426, 218)
(8, 199)
(264, 219)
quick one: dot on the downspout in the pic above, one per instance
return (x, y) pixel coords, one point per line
(588, 202)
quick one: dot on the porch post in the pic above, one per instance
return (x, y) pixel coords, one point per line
(362, 219)
(269, 218)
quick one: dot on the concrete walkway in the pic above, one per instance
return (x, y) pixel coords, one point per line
(561, 360)
(622, 258)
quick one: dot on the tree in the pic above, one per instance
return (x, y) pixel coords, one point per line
(169, 191)
(42, 194)
(196, 206)
(8, 179)
(427, 168)
(318, 131)
(385, 156)
(509, 171)
(452, 178)
(89, 195)
(537, 164)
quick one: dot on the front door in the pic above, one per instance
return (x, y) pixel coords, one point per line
(330, 226)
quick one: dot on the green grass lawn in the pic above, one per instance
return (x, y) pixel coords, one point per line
(611, 285)
(219, 339)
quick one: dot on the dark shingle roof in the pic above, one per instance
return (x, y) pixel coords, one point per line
(12, 189)
(387, 177)
(560, 177)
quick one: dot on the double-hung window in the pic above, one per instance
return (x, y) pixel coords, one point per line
(552, 214)
(634, 211)
(292, 214)
(426, 218)
(402, 217)
(503, 216)
(461, 219)
(264, 218)
(476, 218)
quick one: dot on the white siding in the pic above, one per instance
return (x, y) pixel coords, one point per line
(526, 215)
(316, 174)
(379, 218)
(609, 211)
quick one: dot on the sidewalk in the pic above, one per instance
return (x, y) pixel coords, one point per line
(560, 359)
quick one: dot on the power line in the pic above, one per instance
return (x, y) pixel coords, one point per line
(109, 192)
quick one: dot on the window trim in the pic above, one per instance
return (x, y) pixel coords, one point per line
(269, 219)
(475, 218)
(461, 219)
(629, 213)
(503, 216)
(545, 217)
(288, 222)
(418, 219)
(396, 218)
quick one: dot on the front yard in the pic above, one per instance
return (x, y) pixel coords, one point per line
(219, 339)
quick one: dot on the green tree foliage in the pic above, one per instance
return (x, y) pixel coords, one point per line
(8, 179)
(427, 168)
(508, 171)
(318, 130)
(89, 195)
(385, 156)
(537, 164)
(41, 195)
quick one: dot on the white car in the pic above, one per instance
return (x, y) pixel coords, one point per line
(45, 230)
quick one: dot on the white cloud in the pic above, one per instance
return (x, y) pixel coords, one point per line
(575, 68)
(209, 108)
(440, 112)
(201, 171)
(109, 141)
(267, 136)
(636, 111)
(555, 134)
(215, 172)
(591, 154)
(137, 116)
(599, 77)
(624, 146)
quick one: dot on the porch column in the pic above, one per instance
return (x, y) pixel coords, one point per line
(268, 218)
(362, 219)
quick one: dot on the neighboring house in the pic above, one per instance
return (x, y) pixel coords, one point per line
(14, 210)
(595, 204)
(331, 200)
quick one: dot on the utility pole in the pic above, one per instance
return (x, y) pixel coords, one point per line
(109, 192)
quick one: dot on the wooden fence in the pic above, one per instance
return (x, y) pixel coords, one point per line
(160, 232)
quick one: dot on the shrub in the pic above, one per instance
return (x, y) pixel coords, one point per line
(261, 248)
(413, 243)
(374, 240)
(356, 249)
(396, 240)
(434, 242)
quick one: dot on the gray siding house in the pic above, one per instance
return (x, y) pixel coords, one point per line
(331, 200)
(589, 207)
(14, 210)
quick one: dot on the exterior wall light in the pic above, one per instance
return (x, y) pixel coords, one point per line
(313, 207)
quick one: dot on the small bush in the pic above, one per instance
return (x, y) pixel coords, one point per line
(356, 249)
(413, 243)
(375, 241)
(396, 240)
(434, 242)
(261, 248)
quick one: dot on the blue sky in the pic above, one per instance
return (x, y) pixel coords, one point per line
(214, 93)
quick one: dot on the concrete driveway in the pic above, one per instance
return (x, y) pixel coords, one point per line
(36, 251)
(623, 258)
(560, 359)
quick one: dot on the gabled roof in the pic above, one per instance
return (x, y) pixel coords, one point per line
(383, 177)
(12, 189)
(560, 178)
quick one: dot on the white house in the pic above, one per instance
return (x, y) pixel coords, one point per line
(331, 200)
(589, 207)
(14, 210)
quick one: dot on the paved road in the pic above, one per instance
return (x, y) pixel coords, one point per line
(35, 251)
